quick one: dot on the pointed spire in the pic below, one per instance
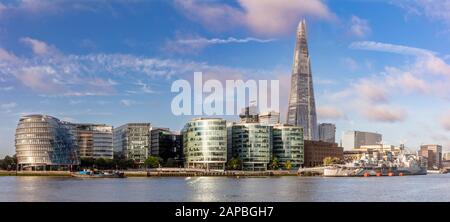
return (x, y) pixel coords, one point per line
(301, 29)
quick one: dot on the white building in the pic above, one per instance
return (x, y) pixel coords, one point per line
(269, 118)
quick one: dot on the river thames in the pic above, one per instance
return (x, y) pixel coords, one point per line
(181, 189)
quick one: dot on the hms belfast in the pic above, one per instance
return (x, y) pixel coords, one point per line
(302, 107)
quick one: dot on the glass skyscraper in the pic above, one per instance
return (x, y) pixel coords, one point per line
(205, 143)
(302, 107)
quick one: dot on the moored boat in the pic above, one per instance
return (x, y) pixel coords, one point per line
(98, 174)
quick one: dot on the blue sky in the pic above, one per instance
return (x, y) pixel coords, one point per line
(379, 66)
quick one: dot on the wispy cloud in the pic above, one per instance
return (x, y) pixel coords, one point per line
(127, 102)
(265, 17)
(436, 10)
(8, 105)
(329, 113)
(359, 27)
(38, 47)
(193, 45)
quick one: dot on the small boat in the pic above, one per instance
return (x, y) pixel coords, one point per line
(98, 174)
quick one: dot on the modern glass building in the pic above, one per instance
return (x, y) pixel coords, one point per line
(205, 143)
(44, 141)
(302, 106)
(327, 132)
(288, 145)
(165, 144)
(93, 140)
(133, 141)
(252, 144)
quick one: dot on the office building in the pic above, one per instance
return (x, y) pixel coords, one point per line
(327, 132)
(269, 118)
(356, 139)
(249, 114)
(302, 107)
(317, 151)
(93, 140)
(133, 141)
(205, 143)
(165, 144)
(288, 145)
(44, 142)
(433, 154)
(252, 144)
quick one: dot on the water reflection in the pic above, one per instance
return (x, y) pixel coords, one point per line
(204, 189)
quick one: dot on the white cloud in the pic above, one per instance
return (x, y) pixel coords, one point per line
(385, 47)
(433, 9)
(329, 112)
(8, 57)
(38, 47)
(350, 64)
(99, 74)
(429, 74)
(359, 27)
(371, 90)
(6, 88)
(144, 87)
(127, 102)
(8, 105)
(384, 113)
(195, 44)
(264, 17)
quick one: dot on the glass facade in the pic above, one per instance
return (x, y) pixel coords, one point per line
(165, 144)
(288, 144)
(44, 141)
(252, 144)
(94, 140)
(302, 106)
(133, 140)
(205, 143)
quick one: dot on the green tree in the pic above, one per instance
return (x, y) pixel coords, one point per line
(234, 164)
(288, 165)
(87, 162)
(274, 164)
(8, 163)
(152, 162)
(331, 160)
(100, 163)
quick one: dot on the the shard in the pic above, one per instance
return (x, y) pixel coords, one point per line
(302, 106)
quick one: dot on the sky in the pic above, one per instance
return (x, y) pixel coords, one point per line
(378, 65)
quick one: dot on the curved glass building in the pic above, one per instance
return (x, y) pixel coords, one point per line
(205, 143)
(252, 144)
(288, 145)
(43, 140)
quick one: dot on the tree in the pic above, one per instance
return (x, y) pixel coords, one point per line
(87, 162)
(234, 164)
(288, 165)
(331, 160)
(274, 163)
(152, 162)
(8, 163)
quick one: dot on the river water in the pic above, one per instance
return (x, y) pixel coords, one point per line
(175, 189)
